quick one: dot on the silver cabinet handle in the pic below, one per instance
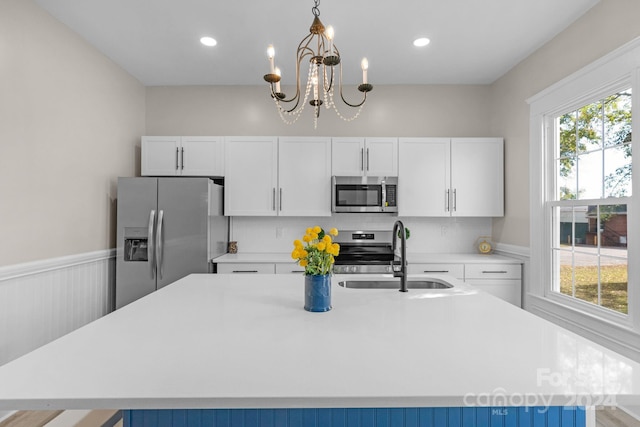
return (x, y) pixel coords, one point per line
(182, 158)
(494, 272)
(362, 159)
(455, 200)
(151, 250)
(367, 160)
(273, 201)
(446, 201)
(160, 246)
(436, 271)
(280, 200)
(244, 271)
(177, 154)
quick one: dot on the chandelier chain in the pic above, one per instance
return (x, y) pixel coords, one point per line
(315, 10)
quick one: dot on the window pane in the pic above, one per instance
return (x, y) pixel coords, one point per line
(589, 127)
(614, 279)
(617, 171)
(590, 175)
(617, 119)
(567, 179)
(586, 277)
(563, 272)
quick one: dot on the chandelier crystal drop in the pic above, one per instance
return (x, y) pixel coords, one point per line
(325, 69)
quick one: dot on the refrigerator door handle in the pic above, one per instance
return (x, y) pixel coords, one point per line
(151, 244)
(160, 246)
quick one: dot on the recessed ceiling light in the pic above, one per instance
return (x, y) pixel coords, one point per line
(421, 42)
(208, 41)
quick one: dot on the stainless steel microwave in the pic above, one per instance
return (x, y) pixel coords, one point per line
(364, 194)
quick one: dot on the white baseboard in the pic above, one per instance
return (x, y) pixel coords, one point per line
(43, 300)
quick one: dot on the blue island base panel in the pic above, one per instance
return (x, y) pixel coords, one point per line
(554, 416)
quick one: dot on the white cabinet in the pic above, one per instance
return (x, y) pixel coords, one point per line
(451, 177)
(364, 156)
(501, 280)
(182, 156)
(246, 268)
(477, 177)
(289, 268)
(304, 176)
(251, 178)
(455, 270)
(269, 177)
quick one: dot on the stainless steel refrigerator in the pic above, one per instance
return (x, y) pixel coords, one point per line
(167, 228)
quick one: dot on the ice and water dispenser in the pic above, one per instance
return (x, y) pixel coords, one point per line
(136, 244)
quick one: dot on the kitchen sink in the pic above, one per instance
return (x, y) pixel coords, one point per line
(394, 284)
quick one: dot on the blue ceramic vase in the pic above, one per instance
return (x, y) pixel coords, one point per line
(317, 293)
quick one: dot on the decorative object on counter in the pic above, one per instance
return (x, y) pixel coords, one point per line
(317, 256)
(484, 245)
(323, 56)
(407, 233)
(233, 247)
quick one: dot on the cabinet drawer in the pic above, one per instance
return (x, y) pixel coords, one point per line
(493, 271)
(246, 268)
(508, 290)
(289, 268)
(456, 270)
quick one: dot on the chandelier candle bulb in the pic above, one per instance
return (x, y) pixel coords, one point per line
(278, 73)
(365, 66)
(329, 33)
(271, 53)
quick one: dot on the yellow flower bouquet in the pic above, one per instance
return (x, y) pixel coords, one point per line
(317, 252)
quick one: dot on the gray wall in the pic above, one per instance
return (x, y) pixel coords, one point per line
(390, 111)
(607, 26)
(69, 122)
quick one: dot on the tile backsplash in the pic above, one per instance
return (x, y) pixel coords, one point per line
(428, 235)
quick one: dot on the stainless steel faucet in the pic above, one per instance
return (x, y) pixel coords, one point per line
(399, 267)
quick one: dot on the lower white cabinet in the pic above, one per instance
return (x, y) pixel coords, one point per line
(501, 280)
(289, 268)
(246, 268)
(455, 270)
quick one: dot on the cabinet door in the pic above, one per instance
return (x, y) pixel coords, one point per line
(348, 157)
(251, 176)
(423, 177)
(202, 156)
(381, 156)
(304, 176)
(246, 268)
(477, 176)
(160, 156)
(508, 290)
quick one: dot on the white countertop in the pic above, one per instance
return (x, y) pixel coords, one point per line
(225, 341)
(412, 258)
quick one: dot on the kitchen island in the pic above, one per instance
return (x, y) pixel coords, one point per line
(244, 343)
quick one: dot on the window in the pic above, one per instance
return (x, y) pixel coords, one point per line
(592, 170)
(584, 202)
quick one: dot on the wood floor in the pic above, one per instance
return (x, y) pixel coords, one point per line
(96, 418)
(605, 417)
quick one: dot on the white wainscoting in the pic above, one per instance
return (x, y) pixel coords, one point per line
(43, 300)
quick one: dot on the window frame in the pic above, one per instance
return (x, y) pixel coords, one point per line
(616, 71)
(551, 201)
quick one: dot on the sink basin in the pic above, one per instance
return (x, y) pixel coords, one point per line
(394, 284)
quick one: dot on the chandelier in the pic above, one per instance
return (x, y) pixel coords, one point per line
(325, 69)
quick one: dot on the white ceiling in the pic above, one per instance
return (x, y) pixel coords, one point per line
(472, 41)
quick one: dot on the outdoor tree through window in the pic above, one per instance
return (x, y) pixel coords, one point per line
(593, 186)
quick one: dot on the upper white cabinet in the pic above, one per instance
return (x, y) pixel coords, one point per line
(451, 177)
(304, 176)
(364, 156)
(269, 176)
(251, 178)
(182, 156)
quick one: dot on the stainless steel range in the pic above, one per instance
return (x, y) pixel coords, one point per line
(364, 252)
